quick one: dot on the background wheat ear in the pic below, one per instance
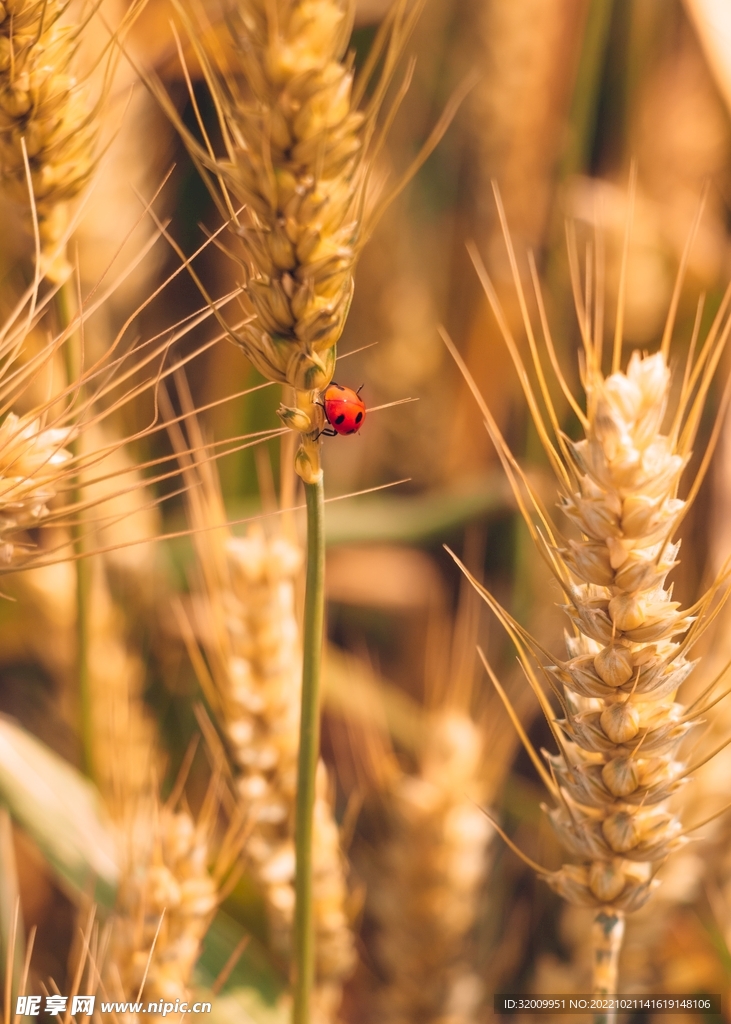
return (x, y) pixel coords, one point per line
(167, 897)
(621, 728)
(50, 117)
(427, 876)
(424, 891)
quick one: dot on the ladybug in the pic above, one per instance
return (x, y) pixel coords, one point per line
(345, 410)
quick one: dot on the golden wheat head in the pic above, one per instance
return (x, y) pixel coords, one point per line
(621, 725)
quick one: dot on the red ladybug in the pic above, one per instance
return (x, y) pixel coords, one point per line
(345, 410)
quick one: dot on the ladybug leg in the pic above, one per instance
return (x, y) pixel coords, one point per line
(325, 431)
(359, 389)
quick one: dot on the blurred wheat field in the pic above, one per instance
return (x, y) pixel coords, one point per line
(505, 225)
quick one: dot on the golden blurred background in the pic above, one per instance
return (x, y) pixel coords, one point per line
(565, 95)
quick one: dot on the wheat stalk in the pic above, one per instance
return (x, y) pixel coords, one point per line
(298, 154)
(252, 677)
(621, 728)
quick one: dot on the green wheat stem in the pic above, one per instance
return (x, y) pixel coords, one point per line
(65, 311)
(309, 749)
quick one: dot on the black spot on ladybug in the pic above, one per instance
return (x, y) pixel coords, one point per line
(359, 417)
(351, 431)
(340, 418)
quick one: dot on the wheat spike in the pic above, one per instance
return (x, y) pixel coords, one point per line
(31, 457)
(298, 151)
(39, 473)
(624, 655)
(296, 182)
(427, 891)
(525, 53)
(166, 900)
(48, 120)
(259, 691)
(168, 893)
(430, 872)
(621, 727)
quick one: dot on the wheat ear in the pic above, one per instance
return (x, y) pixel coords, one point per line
(296, 181)
(124, 739)
(166, 901)
(621, 727)
(38, 471)
(426, 894)
(49, 123)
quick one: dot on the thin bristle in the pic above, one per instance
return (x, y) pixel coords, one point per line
(621, 294)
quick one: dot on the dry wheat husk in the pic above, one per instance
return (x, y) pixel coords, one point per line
(621, 728)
